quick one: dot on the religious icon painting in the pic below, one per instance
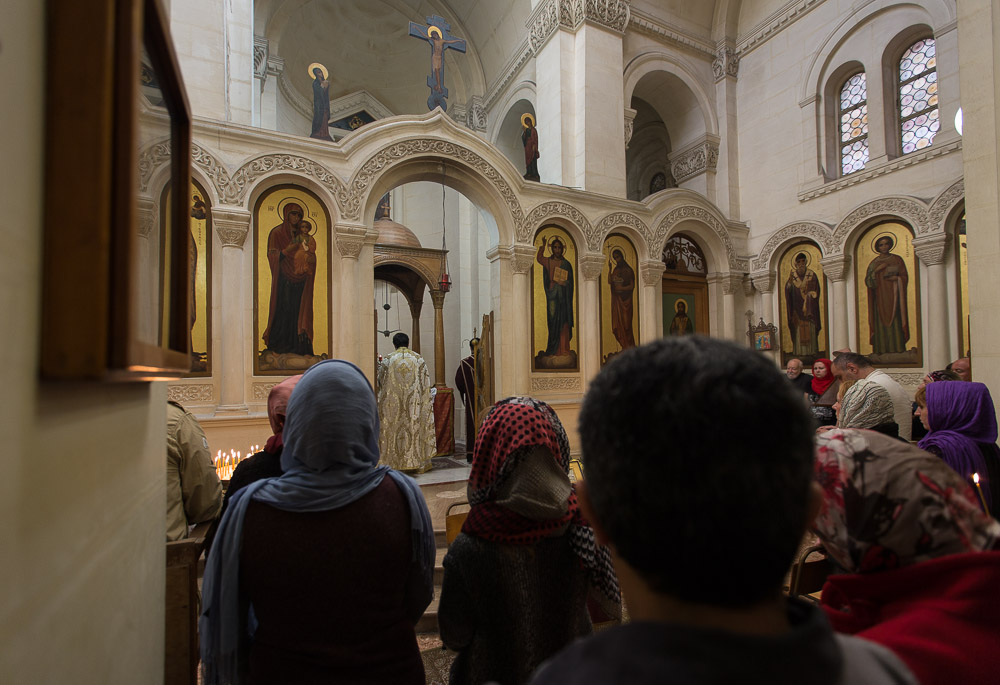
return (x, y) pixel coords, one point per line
(619, 297)
(291, 277)
(887, 293)
(554, 321)
(199, 271)
(680, 311)
(802, 307)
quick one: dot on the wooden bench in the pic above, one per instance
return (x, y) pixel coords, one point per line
(183, 605)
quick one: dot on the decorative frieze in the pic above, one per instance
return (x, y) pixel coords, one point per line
(547, 210)
(944, 203)
(571, 14)
(475, 114)
(695, 159)
(763, 281)
(191, 392)
(616, 219)
(910, 210)
(908, 379)
(629, 124)
(820, 233)
(260, 391)
(147, 217)
(232, 227)
(260, 50)
(664, 228)
(556, 383)
(349, 244)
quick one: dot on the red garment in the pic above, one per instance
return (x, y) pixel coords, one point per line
(819, 385)
(295, 267)
(941, 617)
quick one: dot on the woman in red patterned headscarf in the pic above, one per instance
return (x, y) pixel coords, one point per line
(518, 579)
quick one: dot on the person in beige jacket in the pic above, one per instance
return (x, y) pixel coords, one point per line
(194, 493)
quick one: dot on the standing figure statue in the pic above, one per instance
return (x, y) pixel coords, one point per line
(436, 33)
(529, 138)
(291, 255)
(321, 102)
(886, 279)
(621, 280)
(557, 277)
(802, 291)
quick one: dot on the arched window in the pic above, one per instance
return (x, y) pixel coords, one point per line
(918, 96)
(854, 124)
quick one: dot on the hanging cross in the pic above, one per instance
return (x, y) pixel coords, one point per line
(436, 33)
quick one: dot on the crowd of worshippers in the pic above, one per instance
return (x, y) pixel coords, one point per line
(323, 560)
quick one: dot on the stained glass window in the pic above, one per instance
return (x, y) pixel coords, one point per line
(918, 96)
(854, 124)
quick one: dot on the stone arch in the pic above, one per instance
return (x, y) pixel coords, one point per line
(154, 158)
(525, 90)
(251, 173)
(321, 192)
(819, 233)
(908, 209)
(944, 205)
(632, 226)
(706, 225)
(563, 215)
(650, 62)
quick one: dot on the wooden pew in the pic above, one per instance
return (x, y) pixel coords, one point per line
(182, 606)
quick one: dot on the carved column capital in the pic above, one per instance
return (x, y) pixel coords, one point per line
(836, 266)
(551, 15)
(522, 257)
(437, 298)
(629, 124)
(932, 249)
(651, 272)
(748, 285)
(591, 265)
(731, 283)
(260, 54)
(726, 63)
(232, 226)
(147, 217)
(695, 159)
(350, 240)
(763, 281)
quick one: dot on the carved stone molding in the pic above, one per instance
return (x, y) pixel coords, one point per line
(616, 219)
(147, 217)
(211, 167)
(911, 211)
(703, 215)
(836, 267)
(275, 66)
(351, 205)
(191, 392)
(629, 124)
(244, 178)
(522, 257)
(611, 14)
(777, 21)
(571, 14)
(764, 281)
(475, 114)
(150, 159)
(932, 249)
(731, 283)
(591, 266)
(231, 226)
(547, 210)
(260, 49)
(567, 383)
(811, 230)
(260, 391)
(911, 379)
(651, 272)
(726, 63)
(349, 245)
(695, 159)
(669, 34)
(748, 285)
(944, 203)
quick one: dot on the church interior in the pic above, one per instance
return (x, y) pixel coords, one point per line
(687, 157)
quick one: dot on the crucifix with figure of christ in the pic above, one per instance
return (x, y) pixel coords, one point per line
(437, 34)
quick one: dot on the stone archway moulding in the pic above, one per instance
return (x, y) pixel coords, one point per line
(908, 209)
(943, 205)
(613, 221)
(547, 210)
(666, 225)
(819, 233)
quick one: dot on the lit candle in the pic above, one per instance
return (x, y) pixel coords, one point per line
(979, 488)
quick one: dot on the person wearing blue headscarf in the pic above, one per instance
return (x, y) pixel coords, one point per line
(320, 575)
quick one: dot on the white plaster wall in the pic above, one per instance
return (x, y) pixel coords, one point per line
(82, 500)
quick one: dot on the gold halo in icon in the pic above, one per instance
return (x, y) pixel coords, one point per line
(527, 119)
(317, 65)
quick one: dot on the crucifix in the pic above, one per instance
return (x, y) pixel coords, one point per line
(437, 34)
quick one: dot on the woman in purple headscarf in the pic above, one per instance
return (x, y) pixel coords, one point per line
(962, 425)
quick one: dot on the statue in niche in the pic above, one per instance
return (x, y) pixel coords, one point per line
(321, 102)
(437, 34)
(529, 138)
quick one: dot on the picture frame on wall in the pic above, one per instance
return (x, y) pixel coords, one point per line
(106, 315)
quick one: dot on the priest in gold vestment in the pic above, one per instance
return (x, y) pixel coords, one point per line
(406, 411)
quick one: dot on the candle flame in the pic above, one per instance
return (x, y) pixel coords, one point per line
(975, 478)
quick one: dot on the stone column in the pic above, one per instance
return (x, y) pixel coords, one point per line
(763, 281)
(836, 268)
(650, 323)
(732, 283)
(437, 297)
(979, 80)
(591, 265)
(232, 227)
(269, 93)
(726, 186)
(415, 308)
(931, 250)
(522, 257)
(349, 244)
